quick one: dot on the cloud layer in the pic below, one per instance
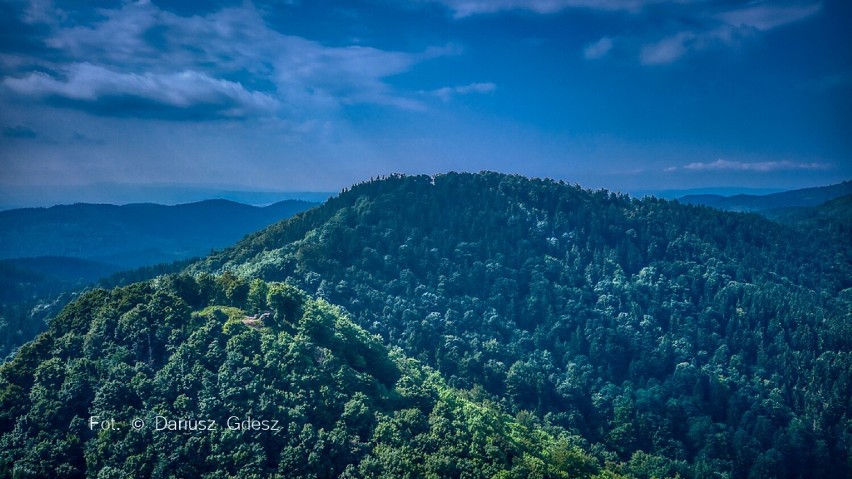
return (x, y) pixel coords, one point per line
(187, 94)
(465, 8)
(725, 28)
(677, 27)
(598, 49)
(139, 60)
(759, 166)
(447, 93)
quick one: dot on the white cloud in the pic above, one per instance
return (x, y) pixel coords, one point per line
(728, 28)
(759, 15)
(760, 166)
(672, 48)
(103, 90)
(704, 26)
(666, 50)
(767, 17)
(148, 46)
(446, 93)
(466, 8)
(599, 49)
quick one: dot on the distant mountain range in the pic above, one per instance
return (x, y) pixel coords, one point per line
(806, 197)
(136, 234)
(20, 196)
(83, 242)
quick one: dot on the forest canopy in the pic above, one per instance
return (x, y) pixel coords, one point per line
(462, 325)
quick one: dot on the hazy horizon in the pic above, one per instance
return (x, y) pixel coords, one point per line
(175, 194)
(161, 193)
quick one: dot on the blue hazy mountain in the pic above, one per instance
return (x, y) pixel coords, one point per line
(19, 196)
(47, 255)
(134, 235)
(805, 197)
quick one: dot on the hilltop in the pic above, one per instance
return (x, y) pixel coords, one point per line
(487, 319)
(646, 325)
(172, 378)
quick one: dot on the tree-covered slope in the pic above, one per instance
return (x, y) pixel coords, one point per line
(803, 198)
(50, 254)
(36, 292)
(832, 217)
(652, 327)
(183, 356)
(32, 277)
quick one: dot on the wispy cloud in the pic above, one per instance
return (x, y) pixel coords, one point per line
(723, 29)
(698, 24)
(466, 8)
(766, 17)
(447, 93)
(759, 166)
(139, 60)
(186, 94)
(668, 49)
(672, 48)
(599, 49)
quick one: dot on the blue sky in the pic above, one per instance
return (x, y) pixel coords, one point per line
(630, 95)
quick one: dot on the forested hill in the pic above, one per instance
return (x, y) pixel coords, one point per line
(47, 254)
(663, 331)
(178, 378)
(134, 235)
(832, 217)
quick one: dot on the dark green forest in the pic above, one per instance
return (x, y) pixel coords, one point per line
(720, 340)
(49, 255)
(31, 295)
(523, 328)
(335, 400)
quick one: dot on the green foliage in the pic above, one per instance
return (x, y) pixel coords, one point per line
(709, 341)
(286, 302)
(487, 326)
(345, 405)
(256, 300)
(51, 254)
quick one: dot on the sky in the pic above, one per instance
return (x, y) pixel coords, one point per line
(102, 96)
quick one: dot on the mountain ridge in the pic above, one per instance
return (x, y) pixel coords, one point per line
(548, 296)
(804, 197)
(660, 339)
(135, 234)
(327, 399)
(49, 254)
